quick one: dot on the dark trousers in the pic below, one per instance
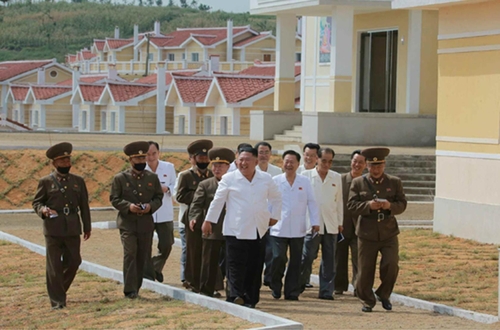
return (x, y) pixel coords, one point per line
(62, 262)
(342, 260)
(327, 267)
(194, 247)
(211, 274)
(244, 262)
(165, 232)
(182, 234)
(367, 261)
(268, 258)
(280, 246)
(135, 254)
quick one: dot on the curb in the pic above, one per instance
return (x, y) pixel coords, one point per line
(270, 321)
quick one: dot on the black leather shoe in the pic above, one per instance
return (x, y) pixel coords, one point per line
(366, 309)
(339, 292)
(239, 301)
(386, 303)
(57, 307)
(294, 298)
(131, 295)
(159, 276)
(326, 297)
(309, 285)
(249, 305)
(217, 294)
(276, 295)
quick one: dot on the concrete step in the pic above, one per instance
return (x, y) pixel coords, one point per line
(419, 198)
(297, 128)
(391, 170)
(415, 222)
(417, 176)
(419, 190)
(417, 183)
(282, 137)
(293, 133)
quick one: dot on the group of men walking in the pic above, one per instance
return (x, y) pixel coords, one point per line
(240, 218)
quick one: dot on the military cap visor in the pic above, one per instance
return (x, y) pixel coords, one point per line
(136, 149)
(60, 150)
(375, 155)
(200, 147)
(221, 155)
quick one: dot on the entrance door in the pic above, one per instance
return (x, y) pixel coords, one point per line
(378, 71)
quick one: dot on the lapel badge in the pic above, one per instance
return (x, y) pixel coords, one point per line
(150, 184)
(165, 175)
(388, 189)
(52, 186)
(194, 183)
(333, 185)
(300, 188)
(128, 184)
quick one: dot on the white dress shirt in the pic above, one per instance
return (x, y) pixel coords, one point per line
(166, 175)
(232, 167)
(297, 199)
(301, 169)
(247, 210)
(328, 195)
(271, 170)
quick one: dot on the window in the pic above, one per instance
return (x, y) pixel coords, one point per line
(15, 115)
(183, 56)
(84, 121)
(104, 126)
(298, 57)
(53, 73)
(207, 125)
(195, 57)
(110, 58)
(171, 57)
(267, 57)
(223, 125)
(112, 122)
(35, 120)
(182, 124)
(150, 56)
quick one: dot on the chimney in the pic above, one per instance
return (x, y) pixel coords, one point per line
(214, 64)
(117, 32)
(75, 78)
(229, 55)
(136, 41)
(157, 28)
(161, 91)
(40, 79)
(112, 73)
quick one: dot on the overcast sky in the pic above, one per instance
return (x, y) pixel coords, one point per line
(236, 6)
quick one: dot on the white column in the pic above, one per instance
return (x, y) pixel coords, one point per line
(284, 87)
(21, 113)
(42, 123)
(75, 115)
(235, 124)
(160, 98)
(91, 121)
(192, 120)
(303, 50)
(4, 101)
(242, 54)
(121, 119)
(414, 42)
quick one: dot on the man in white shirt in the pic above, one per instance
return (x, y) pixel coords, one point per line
(327, 186)
(310, 157)
(297, 198)
(253, 203)
(164, 216)
(264, 155)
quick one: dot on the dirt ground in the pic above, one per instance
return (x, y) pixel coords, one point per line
(343, 313)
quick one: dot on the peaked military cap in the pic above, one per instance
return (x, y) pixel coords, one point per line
(221, 155)
(136, 149)
(199, 147)
(59, 150)
(375, 155)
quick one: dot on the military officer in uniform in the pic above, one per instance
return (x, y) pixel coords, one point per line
(61, 201)
(136, 194)
(375, 198)
(220, 160)
(186, 186)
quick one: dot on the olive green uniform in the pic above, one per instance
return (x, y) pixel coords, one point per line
(376, 233)
(136, 231)
(62, 233)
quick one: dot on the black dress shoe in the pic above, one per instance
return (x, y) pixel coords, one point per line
(239, 301)
(294, 298)
(276, 295)
(57, 307)
(217, 294)
(249, 305)
(159, 276)
(266, 283)
(386, 303)
(366, 309)
(326, 297)
(309, 285)
(131, 295)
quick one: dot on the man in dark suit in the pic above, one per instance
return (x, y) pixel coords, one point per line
(186, 186)
(213, 244)
(61, 199)
(350, 241)
(136, 194)
(376, 198)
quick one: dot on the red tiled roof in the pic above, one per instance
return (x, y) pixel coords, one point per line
(265, 70)
(246, 41)
(193, 90)
(70, 58)
(87, 54)
(48, 92)
(19, 92)
(237, 89)
(123, 93)
(206, 36)
(118, 43)
(152, 78)
(11, 69)
(99, 44)
(67, 82)
(91, 79)
(91, 93)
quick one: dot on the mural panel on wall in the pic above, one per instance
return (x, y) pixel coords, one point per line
(325, 33)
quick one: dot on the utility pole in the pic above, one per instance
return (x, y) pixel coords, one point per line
(147, 55)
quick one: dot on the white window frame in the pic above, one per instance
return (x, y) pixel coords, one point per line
(223, 125)
(113, 116)
(104, 121)
(85, 120)
(207, 125)
(193, 55)
(171, 57)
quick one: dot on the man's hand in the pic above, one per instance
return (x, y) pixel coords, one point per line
(135, 208)
(48, 211)
(165, 189)
(206, 228)
(315, 229)
(374, 205)
(147, 209)
(86, 236)
(341, 229)
(272, 222)
(192, 223)
(386, 205)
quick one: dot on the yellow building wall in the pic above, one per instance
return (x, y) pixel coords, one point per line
(429, 63)
(61, 75)
(221, 50)
(141, 118)
(59, 114)
(127, 54)
(193, 47)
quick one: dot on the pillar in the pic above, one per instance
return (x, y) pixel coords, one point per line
(284, 86)
(414, 41)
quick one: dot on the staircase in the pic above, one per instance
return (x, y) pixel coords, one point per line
(418, 174)
(290, 135)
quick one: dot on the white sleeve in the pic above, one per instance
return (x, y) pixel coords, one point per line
(340, 202)
(219, 200)
(274, 200)
(312, 206)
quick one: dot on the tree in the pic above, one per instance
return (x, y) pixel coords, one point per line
(159, 3)
(150, 2)
(203, 7)
(194, 4)
(5, 2)
(184, 4)
(171, 3)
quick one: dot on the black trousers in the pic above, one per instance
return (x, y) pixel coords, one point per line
(280, 246)
(135, 254)
(194, 247)
(211, 274)
(244, 262)
(62, 262)
(165, 232)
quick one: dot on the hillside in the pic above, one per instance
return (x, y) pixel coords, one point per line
(54, 29)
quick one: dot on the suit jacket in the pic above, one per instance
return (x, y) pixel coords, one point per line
(349, 223)
(201, 202)
(186, 185)
(148, 190)
(48, 194)
(247, 210)
(368, 226)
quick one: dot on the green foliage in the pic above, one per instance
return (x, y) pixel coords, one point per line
(45, 30)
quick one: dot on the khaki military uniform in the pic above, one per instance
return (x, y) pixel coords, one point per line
(213, 244)
(376, 232)
(136, 231)
(188, 183)
(62, 233)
